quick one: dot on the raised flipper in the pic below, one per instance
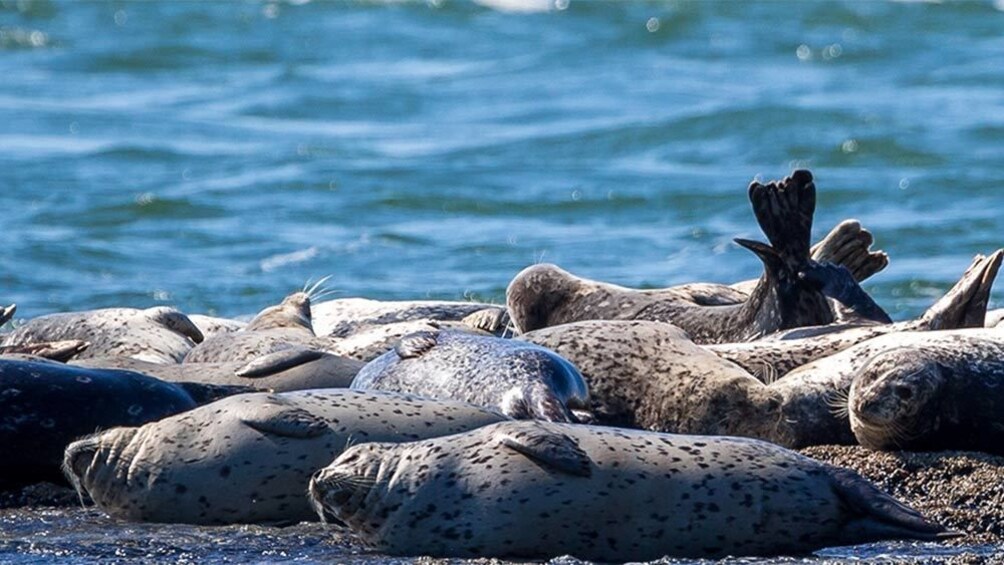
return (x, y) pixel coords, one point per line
(278, 418)
(848, 244)
(61, 351)
(492, 320)
(880, 516)
(965, 304)
(836, 282)
(416, 344)
(176, 322)
(553, 451)
(273, 363)
(6, 313)
(535, 402)
(784, 211)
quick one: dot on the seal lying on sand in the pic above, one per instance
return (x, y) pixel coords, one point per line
(963, 306)
(46, 405)
(535, 491)
(520, 379)
(930, 391)
(248, 458)
(294, 368)
(158, 335)
(544, 295)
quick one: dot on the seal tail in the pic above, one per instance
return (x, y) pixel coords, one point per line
(849, 244)
(878, 516)
(784, 211)
(965, 304)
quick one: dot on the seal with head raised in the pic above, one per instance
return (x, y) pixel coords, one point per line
(544, 295)
(158, 335)
(521, 379)
(248, 458)
(533, 490)
(930, 391)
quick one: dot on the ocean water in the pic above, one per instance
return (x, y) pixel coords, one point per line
(216, 156)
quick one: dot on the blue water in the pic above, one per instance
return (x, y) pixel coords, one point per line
(217, 155)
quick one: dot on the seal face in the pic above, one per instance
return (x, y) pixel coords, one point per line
(46, 405)
(248, 458)
(539, 490)
(523, 380)
(158, 335)
(936, 391)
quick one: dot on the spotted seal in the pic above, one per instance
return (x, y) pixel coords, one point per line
(545, 295)
(293, 368)
(533, 490)
(46, 405)
(346, 316)
(158, 335)
(248, 458)
(931, 391)
(521, 379)
(212, 325)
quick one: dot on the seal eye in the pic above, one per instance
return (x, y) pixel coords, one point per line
(903, 392)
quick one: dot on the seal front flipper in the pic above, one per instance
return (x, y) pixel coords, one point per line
(965, 304)
(278, 418)
(492, 320)
(879, 516)
(175, 321)
(414, 345)
(61, 351)
(268, 365)
(6, 313)
(550, 450)
(837, 282)
(535, 402)
(784, 211)
(849, 244)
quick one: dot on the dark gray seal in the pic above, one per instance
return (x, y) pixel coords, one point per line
(158, 335)
(293, 368)
(248, 458)
(46, 405)
(520, 379)
(931, 391)
(784, 297)
(532, 490)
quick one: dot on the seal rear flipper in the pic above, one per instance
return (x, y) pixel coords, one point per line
(551, 450)
(416, 344)
(273, 363)
(848, 244)
(280, 419)
(492, 320)
(965, 304)
(784, 211)
(61, 351)
(836, 282)
(879, 516)
(6, 313)
(535, 402)
(177, 322)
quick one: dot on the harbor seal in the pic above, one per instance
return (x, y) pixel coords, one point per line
(158, 335)
(212, 325)
(784, 297)
(346, 316)
(46, 405)
(7, 313)
(521, 379)
(533, 490)
(293, 368)
(248, 458)
(931, 391)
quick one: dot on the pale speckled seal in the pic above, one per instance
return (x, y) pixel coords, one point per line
(212, 325)
(931, 391)
(346, 316)
(46, 405)
(248, 458)
(784, 297)
(293, 368)
(535, 490)
(521, 379)
(158, 335)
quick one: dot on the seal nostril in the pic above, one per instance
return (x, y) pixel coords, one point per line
(903, 392)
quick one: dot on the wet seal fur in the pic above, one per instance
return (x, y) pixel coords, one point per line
(540, 490)
(45, 405)
(783, 298)
(248, 458)
(931, 391)
(521, 379)
(158, 335)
